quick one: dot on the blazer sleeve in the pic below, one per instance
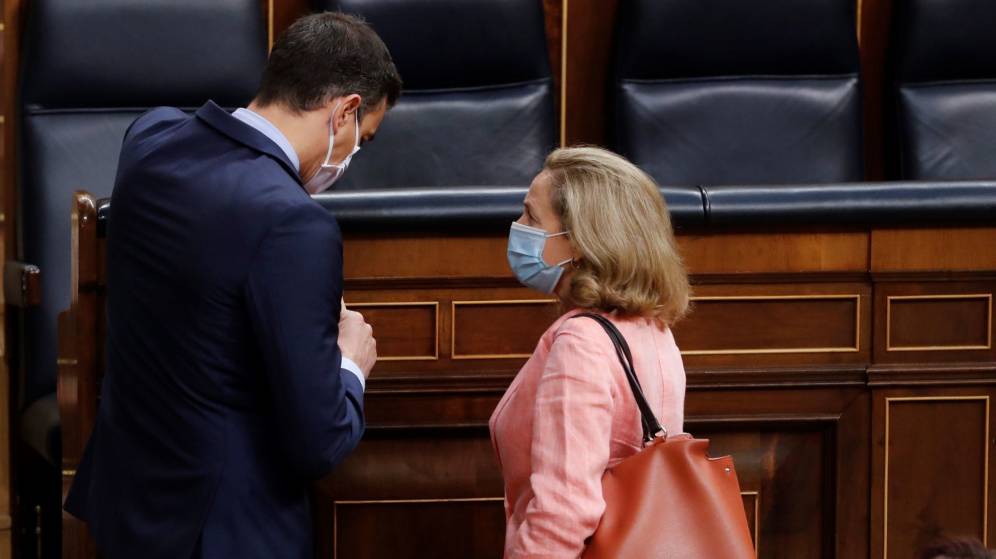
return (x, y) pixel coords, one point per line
(293, 293)
(572, 426)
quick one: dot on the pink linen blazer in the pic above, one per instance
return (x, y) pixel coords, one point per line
(567, 417)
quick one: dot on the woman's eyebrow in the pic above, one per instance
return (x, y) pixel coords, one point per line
(529, 209)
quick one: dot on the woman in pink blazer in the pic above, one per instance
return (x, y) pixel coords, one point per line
(595, 233)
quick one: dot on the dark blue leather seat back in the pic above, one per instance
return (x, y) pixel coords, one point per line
(944, 90)
(477, 105)
(89, 69)
(733, 92)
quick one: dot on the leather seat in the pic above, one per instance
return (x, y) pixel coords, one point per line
(487, 210)
(943, 90)
(850, 204)
(733, 92)
(89, 69)
(477, 106)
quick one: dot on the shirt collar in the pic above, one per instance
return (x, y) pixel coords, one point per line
(266, 128)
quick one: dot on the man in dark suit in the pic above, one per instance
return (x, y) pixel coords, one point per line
(233, 380)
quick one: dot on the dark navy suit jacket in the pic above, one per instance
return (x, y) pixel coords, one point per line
(223, 397)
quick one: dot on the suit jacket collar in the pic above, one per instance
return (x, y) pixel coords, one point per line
(223, 122)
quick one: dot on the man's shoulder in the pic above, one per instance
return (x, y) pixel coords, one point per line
(276, 204)
(153, 118)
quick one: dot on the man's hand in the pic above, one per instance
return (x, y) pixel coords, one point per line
(356, 340)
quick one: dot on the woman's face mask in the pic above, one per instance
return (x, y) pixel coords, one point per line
(525, 256)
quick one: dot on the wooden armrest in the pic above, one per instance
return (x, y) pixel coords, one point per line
(22, 284)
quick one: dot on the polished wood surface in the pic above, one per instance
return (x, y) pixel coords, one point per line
(933, 249)
(10, 25)
(873, 40)
(931, 467)
(281, 14)
(81, 347)
(588, 29)
(788, 370)
(760, 252)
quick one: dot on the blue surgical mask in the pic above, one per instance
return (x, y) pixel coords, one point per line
(525, 256)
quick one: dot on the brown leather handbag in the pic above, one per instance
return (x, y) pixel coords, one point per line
(670, 500)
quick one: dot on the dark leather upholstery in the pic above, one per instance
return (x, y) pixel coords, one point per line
(732, 92)
(490, 210)
(477, 107)
(89, 69)
(860, 204)
(128, 53)
(944, 89)
(477, 210)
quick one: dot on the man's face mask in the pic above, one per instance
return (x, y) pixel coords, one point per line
(330, 172)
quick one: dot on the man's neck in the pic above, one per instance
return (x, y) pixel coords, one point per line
(295, 127)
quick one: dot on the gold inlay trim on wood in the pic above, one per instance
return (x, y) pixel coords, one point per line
(435, 319)
(985, 470)
(757, 517)
(988, 297)
(762, 351)
(269, 26)
(453, 329)
(336, 504)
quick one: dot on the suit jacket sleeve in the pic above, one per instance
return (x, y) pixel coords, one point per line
(293, 292)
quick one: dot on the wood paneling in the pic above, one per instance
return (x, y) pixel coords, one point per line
(873, 39)
(785, 464)
(776, 324)
(404, 331)
(433, 408)
(475, 330)
(587, 44)
(282, 13)
(802, 449)
(435, 257)
(931, 469)
(773, 252)
(939, 322)
(926, 249)
(752, 507)
(444, 529)
(934, 322)
(446, 256)
(553, 22)
(10, 26)
(772, 324)
(799, 424)
(500, 329)
(407, 491)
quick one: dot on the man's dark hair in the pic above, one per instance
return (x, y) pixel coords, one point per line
(328, 55)
(955, 548)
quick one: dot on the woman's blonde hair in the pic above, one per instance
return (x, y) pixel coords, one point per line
(620, 227)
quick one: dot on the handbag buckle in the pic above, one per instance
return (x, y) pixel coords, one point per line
(659, 435)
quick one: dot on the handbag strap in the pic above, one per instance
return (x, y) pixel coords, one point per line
(651, 427)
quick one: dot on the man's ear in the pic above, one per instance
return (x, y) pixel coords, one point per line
(348, 106)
